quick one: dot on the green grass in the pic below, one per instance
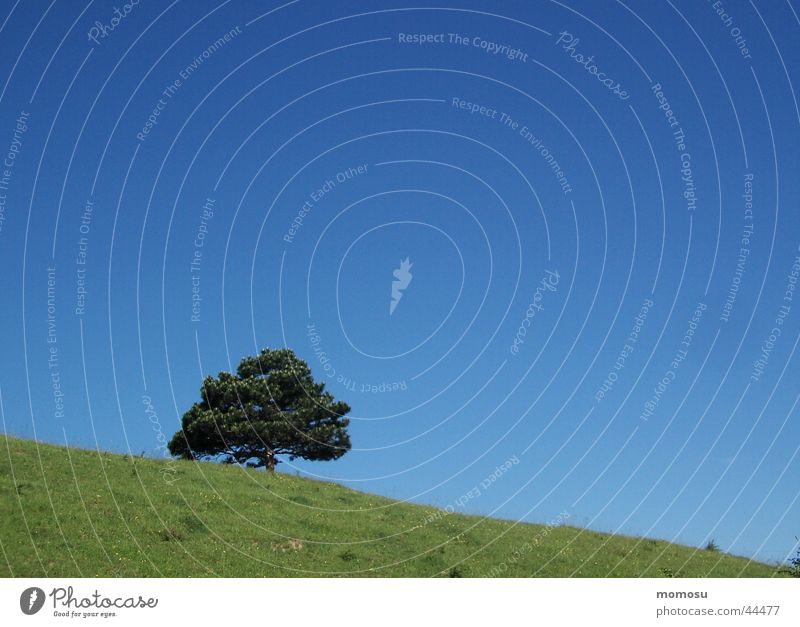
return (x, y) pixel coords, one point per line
(67, 513)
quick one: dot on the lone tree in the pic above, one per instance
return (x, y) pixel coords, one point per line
(272, 406)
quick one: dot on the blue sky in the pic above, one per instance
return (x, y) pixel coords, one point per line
(599, 201)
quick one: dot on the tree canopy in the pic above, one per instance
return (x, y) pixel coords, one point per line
(271, 406)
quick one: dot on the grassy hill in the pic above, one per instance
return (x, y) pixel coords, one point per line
(68, 512)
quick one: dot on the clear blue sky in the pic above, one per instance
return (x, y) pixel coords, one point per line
(639, 158)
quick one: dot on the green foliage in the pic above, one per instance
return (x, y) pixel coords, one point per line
(272, 406)
(793, 569)
(712, 546)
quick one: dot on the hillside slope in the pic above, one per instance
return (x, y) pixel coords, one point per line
(69, 512)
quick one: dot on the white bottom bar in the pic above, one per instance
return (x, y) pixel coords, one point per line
(355, 602)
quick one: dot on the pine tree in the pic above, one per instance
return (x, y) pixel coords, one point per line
(272, 406)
